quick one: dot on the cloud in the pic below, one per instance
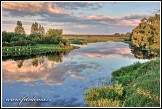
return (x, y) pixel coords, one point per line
(32, 8)
(100, 17)
(135, 16)
(127, 23)
(156, 11)
(70, 16)
(79, 5)
(81, 12)
(4, 15)
(131, 20)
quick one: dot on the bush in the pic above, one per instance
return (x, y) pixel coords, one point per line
(6, 44)
(61, 44)
(23, 43)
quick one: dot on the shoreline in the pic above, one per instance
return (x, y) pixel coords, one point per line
(34, 50)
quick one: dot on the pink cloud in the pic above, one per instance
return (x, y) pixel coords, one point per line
(101, 17)
(131, 20)
(33, 7)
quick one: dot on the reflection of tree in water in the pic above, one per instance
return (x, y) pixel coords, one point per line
(141, 54)
(20, 63)
(56, 57)
(38, 60)
(25, 57)
(35, 62)
(41, 60)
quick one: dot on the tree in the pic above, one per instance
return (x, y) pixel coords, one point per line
(37, 29)
(34, 28)
(54, 32)
(41, 30)
(117, 34)
(147, 34)
(19, 29)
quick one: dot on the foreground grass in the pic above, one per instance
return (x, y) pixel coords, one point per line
(138, 86)
(32, 50)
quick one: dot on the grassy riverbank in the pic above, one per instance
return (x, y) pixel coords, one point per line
(83, 39)
(137, 85)
(37, 49)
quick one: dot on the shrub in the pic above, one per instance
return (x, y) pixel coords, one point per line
(23, 43)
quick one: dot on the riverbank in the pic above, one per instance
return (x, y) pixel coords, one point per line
(37, 49)
(137, 85)
(84, 39)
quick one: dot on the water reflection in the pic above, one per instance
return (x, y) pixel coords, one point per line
(41, 69)
(54, 56)
(142, 54)
(63, 76)
(110, 49)
(20, 63)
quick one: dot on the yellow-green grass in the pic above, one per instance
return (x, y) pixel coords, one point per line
(136, 85)
(94, 38)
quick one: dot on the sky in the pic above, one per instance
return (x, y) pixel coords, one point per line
(100, 18)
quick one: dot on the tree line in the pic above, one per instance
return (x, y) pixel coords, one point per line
(37, 36)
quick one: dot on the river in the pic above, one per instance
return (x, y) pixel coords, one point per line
(62, 78)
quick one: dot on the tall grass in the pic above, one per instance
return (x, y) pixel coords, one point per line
(138, 84)
(94, 38)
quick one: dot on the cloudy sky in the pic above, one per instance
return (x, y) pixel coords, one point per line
(78, 17)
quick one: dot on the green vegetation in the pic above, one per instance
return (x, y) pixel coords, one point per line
(83, 39)
(19, 29)
(19, 43)
(78, 41)
(105, 96)
(32, 50)
(136, 85)
(129, 42)
(146, 35)
(37, 29)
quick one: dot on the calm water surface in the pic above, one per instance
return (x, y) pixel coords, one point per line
(63, 78)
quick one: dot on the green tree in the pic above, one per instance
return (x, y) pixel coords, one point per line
(54, 32)
(41, 30)
(37, 29)
(34, 28)
(147, 34)
(19, 29)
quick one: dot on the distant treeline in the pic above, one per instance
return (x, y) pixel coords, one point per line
(113, 35)
(37, 36)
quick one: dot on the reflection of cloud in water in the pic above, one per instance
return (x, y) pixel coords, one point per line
(49, 72)
(70, 102)
(75, 75)
(105, 49)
